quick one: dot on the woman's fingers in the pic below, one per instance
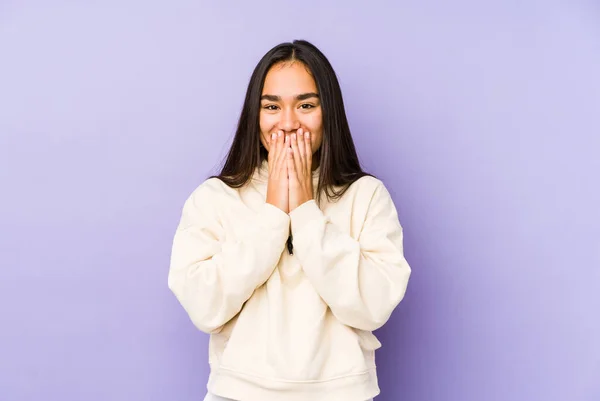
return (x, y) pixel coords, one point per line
(278, 150)
(271, 142)
(284, 154)
(302, 150)
(291, 167)
(298, 146)
(283, 143)
(298, 161)
(308, 152)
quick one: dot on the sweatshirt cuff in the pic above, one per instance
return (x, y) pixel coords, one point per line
(273, 217)
(304, 214)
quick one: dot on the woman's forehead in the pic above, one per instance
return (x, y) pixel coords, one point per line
(289, 80)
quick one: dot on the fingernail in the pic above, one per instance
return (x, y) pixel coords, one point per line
(279, 133)
(307, 134)
(294, 137)
(273, 136)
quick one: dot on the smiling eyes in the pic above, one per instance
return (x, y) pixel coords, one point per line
(273, 107)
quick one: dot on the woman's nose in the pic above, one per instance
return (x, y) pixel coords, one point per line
(289, 121)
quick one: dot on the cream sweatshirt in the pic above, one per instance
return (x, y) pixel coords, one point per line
(294, 327)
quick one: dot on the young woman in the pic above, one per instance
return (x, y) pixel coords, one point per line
(293, 255)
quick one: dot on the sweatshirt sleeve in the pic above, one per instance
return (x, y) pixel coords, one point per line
(212, 275)
(361, 280)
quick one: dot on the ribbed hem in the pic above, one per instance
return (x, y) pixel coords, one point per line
(238, 386)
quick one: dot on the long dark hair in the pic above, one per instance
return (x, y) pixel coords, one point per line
(338, 161)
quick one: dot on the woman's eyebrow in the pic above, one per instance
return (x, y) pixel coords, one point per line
(308, 95)
(302, 96)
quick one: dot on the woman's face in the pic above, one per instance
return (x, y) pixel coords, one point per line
(290, 101)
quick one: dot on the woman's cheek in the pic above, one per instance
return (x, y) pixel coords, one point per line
(265, 124)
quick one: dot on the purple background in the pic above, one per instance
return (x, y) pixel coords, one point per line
(482, 119)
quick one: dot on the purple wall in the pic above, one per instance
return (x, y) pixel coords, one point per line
(483, 120)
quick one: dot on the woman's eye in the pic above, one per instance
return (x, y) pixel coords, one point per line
(270, 107)
(307, 106)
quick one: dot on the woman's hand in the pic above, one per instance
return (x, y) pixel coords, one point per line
(299, 165)
(278, 184)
